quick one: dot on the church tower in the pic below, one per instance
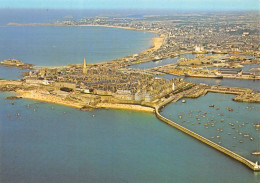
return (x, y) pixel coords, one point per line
(84, 67)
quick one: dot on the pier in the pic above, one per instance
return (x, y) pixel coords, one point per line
(253, 166)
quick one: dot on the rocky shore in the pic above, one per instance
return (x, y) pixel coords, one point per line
(16, 63)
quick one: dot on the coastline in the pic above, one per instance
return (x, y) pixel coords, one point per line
(36, 95)
(157, 41)
(40, 96)
(126, 107)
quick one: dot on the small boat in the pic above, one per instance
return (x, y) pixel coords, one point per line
(251, 138)
(217, 108)
(229, 109)
(204, 76)
(93, 115)
(183, 101)
(211, 105)
(12, 103)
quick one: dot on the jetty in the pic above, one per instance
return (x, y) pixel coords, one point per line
(253, 166)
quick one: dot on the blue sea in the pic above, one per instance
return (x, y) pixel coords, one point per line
(61, 144)
(48, 143)
(55, 46)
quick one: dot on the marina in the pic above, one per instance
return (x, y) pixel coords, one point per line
(234, 130)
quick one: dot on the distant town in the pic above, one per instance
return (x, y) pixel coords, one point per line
(219, 40)
(222, 44)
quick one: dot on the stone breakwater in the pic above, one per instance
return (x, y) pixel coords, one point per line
(226, 151)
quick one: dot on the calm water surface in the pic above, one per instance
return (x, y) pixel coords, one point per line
(54, 46)
(62, 144)
(232, 130)
(11, 73)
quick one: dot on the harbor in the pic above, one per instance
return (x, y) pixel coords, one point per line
(107, 120)
(52, 141)
(215, 125)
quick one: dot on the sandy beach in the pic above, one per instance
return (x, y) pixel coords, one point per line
(126, 107)
(40, 96)
(37, 95)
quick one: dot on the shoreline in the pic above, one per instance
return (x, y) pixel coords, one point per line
(129, 107)
(157, 41)
(36, 95)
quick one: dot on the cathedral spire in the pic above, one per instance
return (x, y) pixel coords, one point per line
(84, 67)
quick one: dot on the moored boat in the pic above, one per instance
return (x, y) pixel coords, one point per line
(204, 76)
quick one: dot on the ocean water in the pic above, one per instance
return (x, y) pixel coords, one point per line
(61, 144)
(11, 73)
(55, 46)
(224, 127)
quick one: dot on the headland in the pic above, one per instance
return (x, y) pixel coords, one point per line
(111, 85)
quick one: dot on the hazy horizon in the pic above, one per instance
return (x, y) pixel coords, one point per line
(199, 5)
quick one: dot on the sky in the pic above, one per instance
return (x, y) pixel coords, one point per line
(135, 4)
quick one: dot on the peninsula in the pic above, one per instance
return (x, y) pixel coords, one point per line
(112, 85)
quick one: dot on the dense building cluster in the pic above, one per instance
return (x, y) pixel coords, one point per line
(122, 83)
(235, 32)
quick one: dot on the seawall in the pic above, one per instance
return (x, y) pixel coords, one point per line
(224, 150)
